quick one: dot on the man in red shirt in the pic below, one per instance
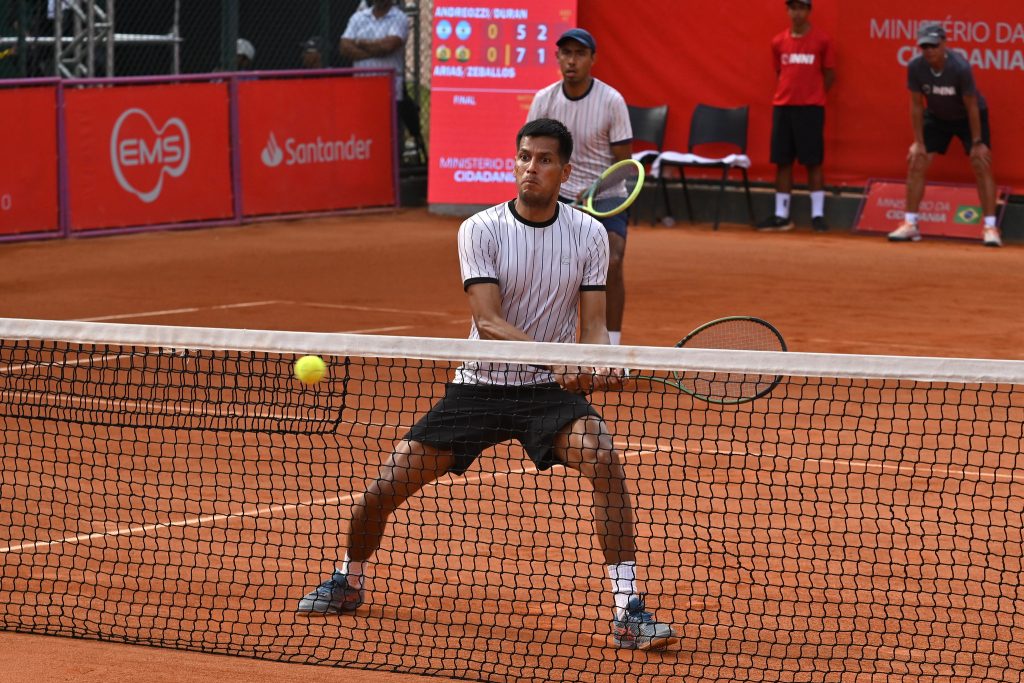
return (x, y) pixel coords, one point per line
(805, 62)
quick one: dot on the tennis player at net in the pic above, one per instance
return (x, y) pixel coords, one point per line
(530, 267)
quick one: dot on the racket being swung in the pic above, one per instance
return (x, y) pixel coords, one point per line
(736, 333)
(614, 190)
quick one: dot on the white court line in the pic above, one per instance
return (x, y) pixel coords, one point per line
(370, 309)
(375, 330)
(256, 512)
(466, 479)
(177, 311)
(921, 469)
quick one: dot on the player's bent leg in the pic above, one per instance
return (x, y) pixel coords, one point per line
(615, 292)
(586, 446)
(412, 466)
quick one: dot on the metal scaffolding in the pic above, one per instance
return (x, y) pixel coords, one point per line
(91, 39)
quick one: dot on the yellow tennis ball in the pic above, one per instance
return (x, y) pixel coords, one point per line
(310, 369)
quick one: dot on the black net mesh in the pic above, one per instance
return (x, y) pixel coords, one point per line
(835, 530)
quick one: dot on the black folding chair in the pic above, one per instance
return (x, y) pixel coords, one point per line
(648, 124)
(712, 125)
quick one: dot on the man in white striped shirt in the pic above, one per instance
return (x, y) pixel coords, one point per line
(596, 115)
(530, 267)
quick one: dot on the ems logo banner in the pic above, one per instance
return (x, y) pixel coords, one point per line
(145, 155)
(948, 210)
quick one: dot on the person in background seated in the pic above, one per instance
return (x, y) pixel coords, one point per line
(942, 80)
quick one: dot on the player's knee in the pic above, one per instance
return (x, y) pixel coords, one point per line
(979, 165)
(918, 165)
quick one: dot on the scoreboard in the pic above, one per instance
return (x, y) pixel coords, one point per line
(489, 59)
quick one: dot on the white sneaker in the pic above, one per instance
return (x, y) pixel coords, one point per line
(907, 232)
(991, 238)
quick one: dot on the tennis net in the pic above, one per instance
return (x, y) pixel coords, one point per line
(177, 487)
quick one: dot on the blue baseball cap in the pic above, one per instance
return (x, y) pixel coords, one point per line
(581, 36)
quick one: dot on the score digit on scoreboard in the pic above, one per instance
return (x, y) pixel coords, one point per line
(488, 61)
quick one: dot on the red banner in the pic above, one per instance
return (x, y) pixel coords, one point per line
(489, 59)
(145, 155)
(702, 53)
(28, 138)
(316, 144)
(946, 211)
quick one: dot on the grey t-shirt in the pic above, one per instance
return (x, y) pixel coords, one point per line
(944, 92)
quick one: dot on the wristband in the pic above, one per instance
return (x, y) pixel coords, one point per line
(975, 143)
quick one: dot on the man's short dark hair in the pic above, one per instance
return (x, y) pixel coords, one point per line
(548, 128)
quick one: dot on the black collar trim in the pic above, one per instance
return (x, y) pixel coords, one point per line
(577, 99)
(532, 224)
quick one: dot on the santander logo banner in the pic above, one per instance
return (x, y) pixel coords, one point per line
(316, 144)
(316, 151)
(142, 155)
(146, 155)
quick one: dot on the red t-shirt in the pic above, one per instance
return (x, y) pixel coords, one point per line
(800, 64)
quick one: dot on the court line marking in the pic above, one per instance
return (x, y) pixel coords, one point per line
(629, 453)
(269, 302)
(176, 311)
(258, 511)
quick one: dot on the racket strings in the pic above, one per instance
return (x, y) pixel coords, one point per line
(733, 334)
(620, 183)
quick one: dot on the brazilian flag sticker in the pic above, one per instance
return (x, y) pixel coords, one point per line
(968, 215)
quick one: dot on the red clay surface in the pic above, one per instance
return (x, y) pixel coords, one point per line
(398, 274)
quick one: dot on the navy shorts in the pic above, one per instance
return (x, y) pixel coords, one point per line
(617, 223)
(472, 417)
(938, 133)
(798, 134)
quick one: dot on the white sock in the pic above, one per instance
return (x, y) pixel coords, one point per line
(354, 571)
(990, 221)
(615, 338)
(910, 217)
(782, 204)
(623, 580)
(817, 203)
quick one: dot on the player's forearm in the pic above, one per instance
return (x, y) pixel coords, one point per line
(380, 47)
(499, 329)
(349, 49)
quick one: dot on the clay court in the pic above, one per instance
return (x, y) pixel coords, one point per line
(396, 273)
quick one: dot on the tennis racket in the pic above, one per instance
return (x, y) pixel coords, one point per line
(614, 191)
(738, 333)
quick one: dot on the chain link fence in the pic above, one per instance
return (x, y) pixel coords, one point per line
(159, 37)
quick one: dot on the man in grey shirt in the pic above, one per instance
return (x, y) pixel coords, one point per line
(955, 108)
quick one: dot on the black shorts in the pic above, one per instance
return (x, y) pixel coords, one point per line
(472, 417)
(938, 133)
(798, 134)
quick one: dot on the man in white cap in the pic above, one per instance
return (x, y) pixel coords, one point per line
(943, 80)
(245, 53)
